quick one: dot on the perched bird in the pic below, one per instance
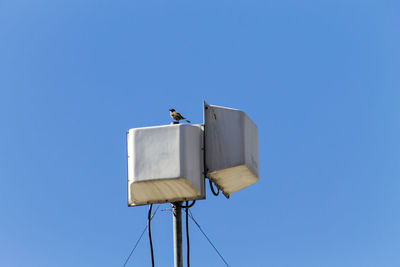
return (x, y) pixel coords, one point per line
(177, 116)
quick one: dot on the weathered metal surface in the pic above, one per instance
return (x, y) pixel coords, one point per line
(231, 143)
(165, 164)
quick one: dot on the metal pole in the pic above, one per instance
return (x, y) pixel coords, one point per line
(177, 224)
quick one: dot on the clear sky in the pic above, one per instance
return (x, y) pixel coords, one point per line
(321, 79)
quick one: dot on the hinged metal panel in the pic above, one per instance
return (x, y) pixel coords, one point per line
(231, 143)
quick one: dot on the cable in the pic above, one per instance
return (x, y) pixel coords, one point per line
(187, 206)
(205, 169)
(191, 216)
(187, 233)
(137, 242)
(212, 189)
(191, 205)
(140, 237)
(149, 228)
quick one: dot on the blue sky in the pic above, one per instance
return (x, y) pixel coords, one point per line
(319, 78)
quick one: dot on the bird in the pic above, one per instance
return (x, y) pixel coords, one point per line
(177, 116)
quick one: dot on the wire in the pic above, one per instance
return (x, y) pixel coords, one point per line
(205, 169)
(150, 239)
(187, 233)
(191, 205)
(212, 189)
(201, 230)
(187, 206)
(137, 242)
(140, 237)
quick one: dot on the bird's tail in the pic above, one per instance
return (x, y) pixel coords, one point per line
(187, 120)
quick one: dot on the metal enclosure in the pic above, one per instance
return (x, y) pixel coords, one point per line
(231, 143)
(165, 164)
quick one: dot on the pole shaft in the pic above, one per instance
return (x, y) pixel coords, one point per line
(177, 224)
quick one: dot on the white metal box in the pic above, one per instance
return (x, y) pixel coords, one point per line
(165, 164)
(231, 143)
